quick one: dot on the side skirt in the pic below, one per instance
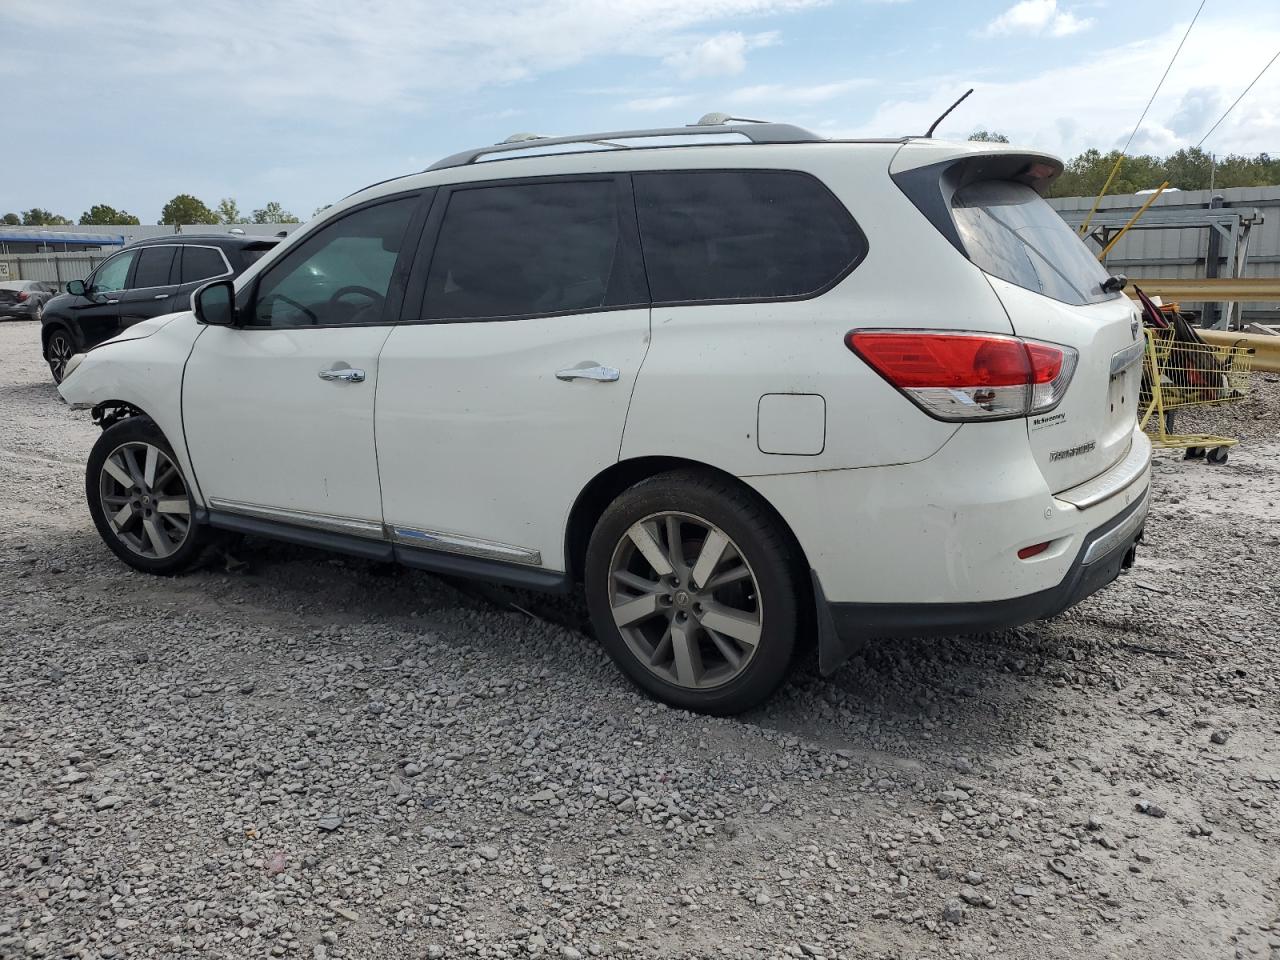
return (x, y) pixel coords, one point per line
(434, 561)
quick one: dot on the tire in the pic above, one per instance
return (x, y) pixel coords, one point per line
(58, 350)
(39, 315)
(1194, 453)
(1218, 455)
(158, 533)
(674, 641)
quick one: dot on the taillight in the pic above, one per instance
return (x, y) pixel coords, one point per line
(968, 376)
(22, 294)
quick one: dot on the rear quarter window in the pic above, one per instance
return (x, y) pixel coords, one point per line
(743, 235)
(201, 263)
(1011, 233)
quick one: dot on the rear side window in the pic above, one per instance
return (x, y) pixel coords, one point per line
(743, 235)
(153, 267)
(519, 250)
(1011, 233)
(201, 263)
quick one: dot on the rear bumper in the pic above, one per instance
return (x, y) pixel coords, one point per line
(1104, 553)
(24, 309)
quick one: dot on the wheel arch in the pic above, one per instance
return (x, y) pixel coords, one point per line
(604, 488)
(51, 325)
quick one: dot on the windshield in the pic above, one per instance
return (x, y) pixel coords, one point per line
(1010, 232)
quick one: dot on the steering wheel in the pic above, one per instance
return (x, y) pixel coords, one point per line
(376, 298)
(375, 304)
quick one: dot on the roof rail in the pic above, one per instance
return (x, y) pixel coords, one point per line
(712, 124)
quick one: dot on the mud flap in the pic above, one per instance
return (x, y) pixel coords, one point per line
(833, 650)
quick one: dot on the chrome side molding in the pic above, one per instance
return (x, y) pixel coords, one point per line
(407, 536)
(467, 546)
(317, 521)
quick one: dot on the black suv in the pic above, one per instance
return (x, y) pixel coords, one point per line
(145, 279)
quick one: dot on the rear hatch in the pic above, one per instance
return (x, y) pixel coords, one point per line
(1051, 286)
(8, 294)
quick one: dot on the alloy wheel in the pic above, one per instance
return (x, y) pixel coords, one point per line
(60, 351)
(144, 499)
(685, 600)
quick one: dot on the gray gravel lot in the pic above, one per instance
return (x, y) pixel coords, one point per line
(301, 756)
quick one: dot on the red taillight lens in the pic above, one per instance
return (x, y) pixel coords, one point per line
(22, 294)
(968, 376)
(1027, 553)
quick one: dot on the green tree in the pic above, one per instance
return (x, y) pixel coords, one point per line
(1189, 169)
(988, 136)
(229, 211)
(100, 213)
(274, 213)
(12, 220)
(35, 217)
(184, 209)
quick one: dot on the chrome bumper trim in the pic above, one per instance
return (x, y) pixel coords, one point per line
(1124, 474)
(1119, 534)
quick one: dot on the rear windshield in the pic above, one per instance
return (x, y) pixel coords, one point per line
(1010, 232)
(251, 254)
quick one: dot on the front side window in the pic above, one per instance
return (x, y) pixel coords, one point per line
(1010, 232)
(341, 274)
(201, 263)
(111, 276)
(742, 235)
(519, 250)
(153, 266)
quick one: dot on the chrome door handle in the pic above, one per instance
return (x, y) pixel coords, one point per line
(348, 374)
(590, 371)
(161, 296)
(109, 302)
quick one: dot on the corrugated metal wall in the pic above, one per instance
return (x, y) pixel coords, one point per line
(1181, 252)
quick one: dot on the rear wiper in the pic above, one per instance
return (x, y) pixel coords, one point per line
(1115, 283)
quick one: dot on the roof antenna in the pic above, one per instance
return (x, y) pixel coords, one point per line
(947, 112)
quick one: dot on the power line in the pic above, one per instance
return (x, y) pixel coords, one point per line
(1241, 97)
(1084, 226)
(1162, 79)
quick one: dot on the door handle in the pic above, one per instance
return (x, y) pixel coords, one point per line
(112, 301)
(161, 296)
(589, 371)
(347, 374)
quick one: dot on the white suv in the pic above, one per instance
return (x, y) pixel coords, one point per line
(748, 393)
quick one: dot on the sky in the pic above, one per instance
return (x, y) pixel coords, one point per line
(305, 101)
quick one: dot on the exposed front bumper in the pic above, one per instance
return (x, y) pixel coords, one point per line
(1103, 554)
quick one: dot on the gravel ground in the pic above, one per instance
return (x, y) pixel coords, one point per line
(288, 754)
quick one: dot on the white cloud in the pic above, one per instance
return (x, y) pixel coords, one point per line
(1036, 17)
(344, 57)
(1071, 107)
(781, 93)
(653, 104)
(724, 54)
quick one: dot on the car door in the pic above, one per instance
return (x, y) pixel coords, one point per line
(504, 390)
(278, 409)
(151, 288)
(96, 315)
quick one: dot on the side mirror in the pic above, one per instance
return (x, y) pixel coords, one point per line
(76, 288)
(215, 303)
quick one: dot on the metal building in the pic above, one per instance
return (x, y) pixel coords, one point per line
(1191, 234)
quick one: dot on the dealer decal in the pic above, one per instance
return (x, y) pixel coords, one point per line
(1049, 420)
(1070, 452)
